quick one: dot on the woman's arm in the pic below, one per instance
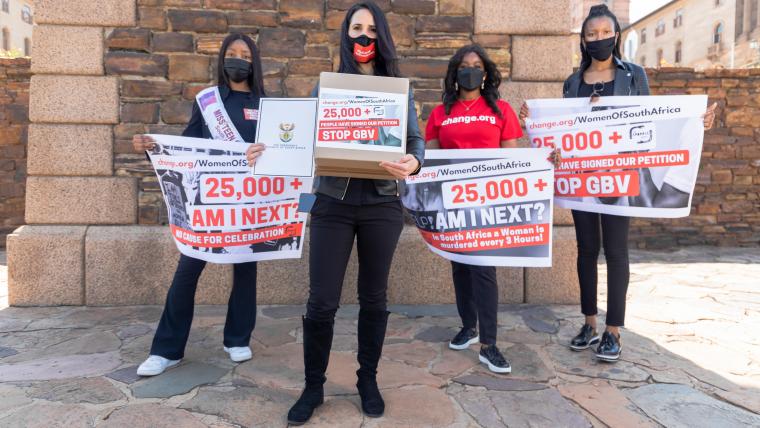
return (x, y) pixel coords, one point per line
(433, 144)
(411, 163)
(508, 144)
(415, 144)
(194, 128)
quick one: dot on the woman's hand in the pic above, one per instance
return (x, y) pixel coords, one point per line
(555, 157)
(401, 169)
(709, 116)
(143, 143)
(253, 152)
(524, 111)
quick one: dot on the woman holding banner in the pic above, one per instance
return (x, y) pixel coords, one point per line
(603, 73)
(240, 86)
(471, 91)
(366, 210)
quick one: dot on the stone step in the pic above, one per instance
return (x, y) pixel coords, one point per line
(133, 265)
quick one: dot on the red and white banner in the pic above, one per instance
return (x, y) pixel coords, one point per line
(486, 207)
(629, 156)
(220, 212)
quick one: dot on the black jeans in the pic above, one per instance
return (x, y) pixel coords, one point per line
(612, 232)
(174, 327)
(334, 225)
(477, 296)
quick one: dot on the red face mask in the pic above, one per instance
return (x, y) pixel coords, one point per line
(364, 49)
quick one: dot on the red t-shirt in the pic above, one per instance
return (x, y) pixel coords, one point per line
(476, 128)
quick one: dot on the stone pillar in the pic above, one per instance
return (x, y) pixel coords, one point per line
(542, 57)
(81, 245)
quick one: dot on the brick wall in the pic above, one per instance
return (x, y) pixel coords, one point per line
(170, 55)
(726, 203)
(14, 122)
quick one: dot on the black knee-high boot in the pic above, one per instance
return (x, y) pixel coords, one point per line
(371, 334)
(317, 341)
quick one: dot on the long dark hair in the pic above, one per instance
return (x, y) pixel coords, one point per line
(256, 79)
(599, 11)
(386, 63)
(490, 90)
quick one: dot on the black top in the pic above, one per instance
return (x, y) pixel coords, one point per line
(234, 102)
(630, 79)
(586, 89)
(362, 191)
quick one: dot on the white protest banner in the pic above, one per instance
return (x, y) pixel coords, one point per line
(485, 207)
(628, 156)
(218, 211)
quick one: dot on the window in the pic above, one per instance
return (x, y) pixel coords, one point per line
(26, 14)
(678, 52)
(659, 58)
(643, 35)
(27, 47)
(678, 21)
(6, 39)
(643, 61)
(660, 29)
(6, 6)
(717, 33)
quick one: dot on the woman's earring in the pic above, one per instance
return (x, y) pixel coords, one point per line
(456, 86)
(483, 85)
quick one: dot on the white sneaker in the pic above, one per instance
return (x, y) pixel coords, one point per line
(155, 365)
(239, 354)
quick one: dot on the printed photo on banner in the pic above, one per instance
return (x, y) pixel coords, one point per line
(629, 156)
(218, 211)
(485, 207)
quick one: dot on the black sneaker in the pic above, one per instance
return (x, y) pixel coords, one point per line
(609, 348)
(464, 339)
(587, 337)
(492, 357)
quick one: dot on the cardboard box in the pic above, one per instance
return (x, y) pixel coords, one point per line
(361, 121)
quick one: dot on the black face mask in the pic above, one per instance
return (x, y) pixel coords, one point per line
(364, 40)
(238, 70)
(601, 50)
(470, 78)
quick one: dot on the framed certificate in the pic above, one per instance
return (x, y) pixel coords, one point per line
(287, 128)
(361, 121)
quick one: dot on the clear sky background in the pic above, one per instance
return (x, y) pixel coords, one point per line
(641, 8)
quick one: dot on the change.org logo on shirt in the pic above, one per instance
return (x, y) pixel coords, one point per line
(469, 119)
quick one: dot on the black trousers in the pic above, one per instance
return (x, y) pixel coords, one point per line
(477, 296)
(174, 327)
(334, 226)
(612, 232)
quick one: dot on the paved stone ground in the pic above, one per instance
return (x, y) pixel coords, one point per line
(691, 359)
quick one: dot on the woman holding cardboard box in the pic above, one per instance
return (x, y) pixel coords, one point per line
(366, 210)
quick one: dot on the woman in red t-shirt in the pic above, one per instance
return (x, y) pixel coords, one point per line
(473, 117)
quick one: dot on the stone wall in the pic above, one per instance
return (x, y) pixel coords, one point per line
(726, 204)
(120, 67)
(14, 121)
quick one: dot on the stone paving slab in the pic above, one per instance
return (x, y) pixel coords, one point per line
(691, 358)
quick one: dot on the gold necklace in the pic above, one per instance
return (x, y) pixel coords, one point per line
(466, 107)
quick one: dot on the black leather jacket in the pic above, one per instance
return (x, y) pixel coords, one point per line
(630, 79)
(336, 187)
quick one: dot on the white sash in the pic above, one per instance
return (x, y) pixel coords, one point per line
(217, 120)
